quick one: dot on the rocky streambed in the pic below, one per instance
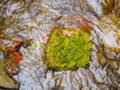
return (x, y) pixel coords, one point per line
(33, 20)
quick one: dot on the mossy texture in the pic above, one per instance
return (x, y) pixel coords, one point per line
(68, 52)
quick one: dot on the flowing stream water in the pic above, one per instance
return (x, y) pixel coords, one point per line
(34, 19)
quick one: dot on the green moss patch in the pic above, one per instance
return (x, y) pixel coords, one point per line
(68, 50)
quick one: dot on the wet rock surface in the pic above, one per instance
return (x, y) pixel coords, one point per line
(5, 80)
(24, 20)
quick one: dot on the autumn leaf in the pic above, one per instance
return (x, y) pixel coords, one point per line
(68, 33)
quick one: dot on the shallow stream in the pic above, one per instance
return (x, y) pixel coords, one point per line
(22, 20)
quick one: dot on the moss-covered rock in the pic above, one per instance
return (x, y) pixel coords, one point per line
(67, 50)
